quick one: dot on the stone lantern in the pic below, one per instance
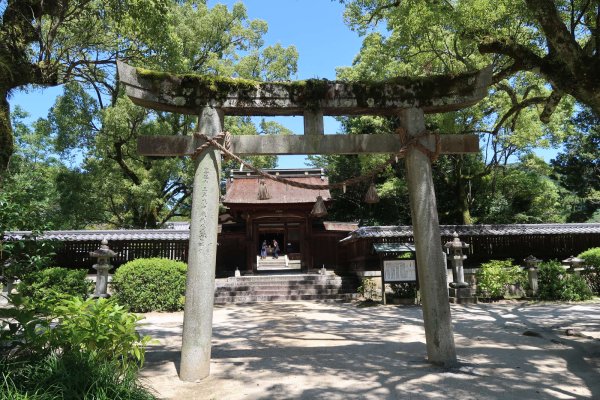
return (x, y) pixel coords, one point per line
(460, 291)
(456, 257)
(531, 264)
(574, 263)
(103, 254)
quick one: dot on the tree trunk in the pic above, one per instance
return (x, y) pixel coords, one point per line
(6, 135)
(461, 189)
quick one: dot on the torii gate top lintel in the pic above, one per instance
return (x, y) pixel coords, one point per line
(188, 94)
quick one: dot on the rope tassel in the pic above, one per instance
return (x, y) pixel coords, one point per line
(319, 209)
(371, 197)
(263, 192)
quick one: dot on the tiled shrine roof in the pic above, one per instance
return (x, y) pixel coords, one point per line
(374, 232)
(110, 235)
(242, 187)
(176, 233)
(404, 231)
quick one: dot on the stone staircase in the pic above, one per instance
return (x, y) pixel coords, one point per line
(284, 287)
(278, 264)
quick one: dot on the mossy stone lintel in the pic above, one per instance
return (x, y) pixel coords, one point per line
(237, 96)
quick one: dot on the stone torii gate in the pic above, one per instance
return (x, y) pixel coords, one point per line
(211, 98)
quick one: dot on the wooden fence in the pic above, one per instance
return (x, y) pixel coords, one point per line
(359, 255)
(349, 255)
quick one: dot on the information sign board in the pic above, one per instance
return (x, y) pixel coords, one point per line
(399, 271)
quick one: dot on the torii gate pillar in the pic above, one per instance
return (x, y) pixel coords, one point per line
(199, 291)
(432, 274)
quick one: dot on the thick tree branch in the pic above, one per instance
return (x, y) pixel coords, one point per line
(557, 35)
(524, 57)
(516, 108)
(119, 158)
(550, 106)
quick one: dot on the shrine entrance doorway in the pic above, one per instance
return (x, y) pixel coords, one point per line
(287, 234)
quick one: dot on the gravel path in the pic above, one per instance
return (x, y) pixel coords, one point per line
(306, 350)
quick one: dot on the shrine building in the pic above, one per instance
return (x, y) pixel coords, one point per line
(260, 210)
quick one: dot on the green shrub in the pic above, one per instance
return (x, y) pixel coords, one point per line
(555, 283)
(591, 257)
(68, 376)
(494, 277)
(404, 290)
(367, 288)
(74, 349)
(43, 285)
(150, 284)
(591, 274)
(99, 327)
(21, 257)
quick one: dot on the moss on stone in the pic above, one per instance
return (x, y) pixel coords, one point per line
(193, 89)
(6, 135)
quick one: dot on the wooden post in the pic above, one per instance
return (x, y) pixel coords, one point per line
(430, 263)
(199, 294)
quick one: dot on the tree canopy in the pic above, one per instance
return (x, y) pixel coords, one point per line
(556, 40)
(93, 127)
(52, 42)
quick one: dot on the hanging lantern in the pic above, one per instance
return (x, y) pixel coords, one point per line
(263, 193)
(319, 209)
(372, 197)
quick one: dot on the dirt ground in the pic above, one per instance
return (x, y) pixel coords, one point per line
(307, 350)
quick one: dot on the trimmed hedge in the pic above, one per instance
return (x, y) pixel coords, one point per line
(554, 283)
(49, 283)
(150, 284)
(495, 277)
(592, 272)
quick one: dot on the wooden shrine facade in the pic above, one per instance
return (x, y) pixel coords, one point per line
(282, 213)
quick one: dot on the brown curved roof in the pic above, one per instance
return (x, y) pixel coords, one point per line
(243, 189)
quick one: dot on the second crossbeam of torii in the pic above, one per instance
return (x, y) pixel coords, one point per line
(211, 98)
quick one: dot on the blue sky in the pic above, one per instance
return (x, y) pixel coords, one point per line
(315, 27)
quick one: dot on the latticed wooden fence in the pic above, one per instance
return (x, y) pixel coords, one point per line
(75, 254)
(487, 242)
(336, 249)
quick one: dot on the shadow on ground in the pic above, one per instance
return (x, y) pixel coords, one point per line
(305, 350)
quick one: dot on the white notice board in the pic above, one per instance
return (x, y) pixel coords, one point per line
(399, 271)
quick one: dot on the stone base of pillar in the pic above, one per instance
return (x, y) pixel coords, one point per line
(462, 295)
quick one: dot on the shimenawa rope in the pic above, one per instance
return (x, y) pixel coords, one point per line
(407, 142)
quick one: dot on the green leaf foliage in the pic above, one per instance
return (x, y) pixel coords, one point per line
(151, 284)
(92, 174)
(555, 39)
(591, 273)
(99, 327)
(591, 257)
(404, 290)
(21, 257)
(494, 277)
(554, 283)
(423, 38)
(70, 349)
(577, 167)
(51, 283)
(69, 376)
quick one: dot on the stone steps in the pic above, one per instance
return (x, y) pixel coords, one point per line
(256, 288)
(279, 264)
(266, 298)
(277, 291)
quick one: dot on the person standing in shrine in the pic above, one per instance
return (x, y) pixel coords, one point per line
(263, 250)
(275, 249)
